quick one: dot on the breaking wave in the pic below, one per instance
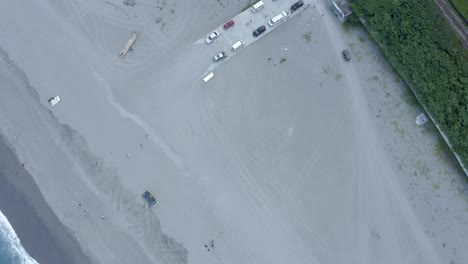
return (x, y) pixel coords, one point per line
(11, 249)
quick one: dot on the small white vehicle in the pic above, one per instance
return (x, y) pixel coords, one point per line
(220, 56)
(278, 18)
(421, 119)
(212, 37)
(54, 100)
(239, 44)
(208, 77)
(257, 6)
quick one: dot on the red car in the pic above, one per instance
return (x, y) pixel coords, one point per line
(229, 24)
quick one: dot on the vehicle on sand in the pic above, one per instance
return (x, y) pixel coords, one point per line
(346, 55)
(150, 199)
(54, 100)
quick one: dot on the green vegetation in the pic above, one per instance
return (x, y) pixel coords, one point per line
(307, 36)
(441, 148)
(422, 168)
(220, 3)
(462, 6)
(326, 70)
(282, 60)
(397, 129)
(410, 98)
(421, 46)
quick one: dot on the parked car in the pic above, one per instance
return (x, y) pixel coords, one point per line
(278, 18)
(220, 56)
(229, 24)
(297, 5)
(257, 6)
(346, 55)
(212, 37)
(259, 31)
(239, 44)
(150, 199)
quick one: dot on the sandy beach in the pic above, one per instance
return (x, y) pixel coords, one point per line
(288, 155)
(41, 232)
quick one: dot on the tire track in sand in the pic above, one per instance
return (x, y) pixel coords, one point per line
(167, 150)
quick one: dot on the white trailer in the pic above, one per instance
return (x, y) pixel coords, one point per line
(129, 44)
(208, 77)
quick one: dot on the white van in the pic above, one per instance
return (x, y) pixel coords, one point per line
(237, 45)
(278, 18)
(257, 6)
(208, 77)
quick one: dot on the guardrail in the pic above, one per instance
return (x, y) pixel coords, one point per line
(457, 157)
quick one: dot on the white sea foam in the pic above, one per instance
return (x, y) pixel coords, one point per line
(8, 233)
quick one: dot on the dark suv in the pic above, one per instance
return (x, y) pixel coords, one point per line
(346, 55)
(150, 199)
(297, 5)
(259, 31)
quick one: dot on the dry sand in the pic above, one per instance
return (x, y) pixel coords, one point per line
(288, 155)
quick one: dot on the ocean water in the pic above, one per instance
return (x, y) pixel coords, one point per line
(11, 250)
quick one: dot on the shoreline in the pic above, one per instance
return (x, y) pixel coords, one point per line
(316, 151)
(42, 235)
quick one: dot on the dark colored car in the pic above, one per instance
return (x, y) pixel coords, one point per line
(346, 55)
(259, 31)
(150, 199)
(296, 5)
(229, 24)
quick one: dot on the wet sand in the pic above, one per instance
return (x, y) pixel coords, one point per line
(43, 236)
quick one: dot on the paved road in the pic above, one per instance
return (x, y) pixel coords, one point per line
(247, 22)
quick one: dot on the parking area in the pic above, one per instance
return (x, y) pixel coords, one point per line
(246, 23)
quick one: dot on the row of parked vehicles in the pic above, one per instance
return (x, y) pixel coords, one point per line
(255, 8)
(259, 5)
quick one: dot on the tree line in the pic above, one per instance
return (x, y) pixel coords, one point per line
(422, 47)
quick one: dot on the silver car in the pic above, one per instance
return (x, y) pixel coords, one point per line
(212, 37)
(220, 56)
